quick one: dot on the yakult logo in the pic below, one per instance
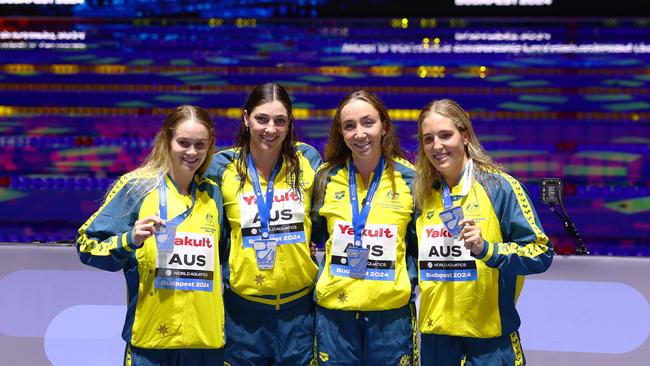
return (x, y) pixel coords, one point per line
(283, 197)
(193, 242)
(380, 232)
(435, 233)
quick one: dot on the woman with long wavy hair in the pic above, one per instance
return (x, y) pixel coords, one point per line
(269, 273)
(478, 235)
(363, 209)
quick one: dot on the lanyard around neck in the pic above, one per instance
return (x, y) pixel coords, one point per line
(263, 205)
(446, 195)
(162, 199)
(359, 219)
(467, 173)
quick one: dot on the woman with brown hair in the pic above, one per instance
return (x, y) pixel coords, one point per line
(363, 209)
(269, 274)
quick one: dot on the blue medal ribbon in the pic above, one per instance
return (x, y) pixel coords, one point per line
(162, 199)
(359, 219)
(447, 202)
(263, 205)
(447, 199)
(165, 238)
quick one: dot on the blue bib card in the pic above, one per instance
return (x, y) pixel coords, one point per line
(452, 218)
(357, 261)
(165, 238)
(265, 253)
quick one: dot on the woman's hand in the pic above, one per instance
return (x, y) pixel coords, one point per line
(144, 228)
(471, 234)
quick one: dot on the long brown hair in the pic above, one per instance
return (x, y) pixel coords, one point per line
(428, 176)
(337, 152)
(261, 94)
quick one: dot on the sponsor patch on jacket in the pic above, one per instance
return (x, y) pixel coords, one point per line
(190, 266)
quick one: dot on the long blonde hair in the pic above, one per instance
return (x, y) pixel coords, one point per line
(159, 161)
(428, 176)
(337, 152)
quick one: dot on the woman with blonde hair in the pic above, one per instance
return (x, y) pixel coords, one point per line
(161, 225)
(363, 211)
(478, 235)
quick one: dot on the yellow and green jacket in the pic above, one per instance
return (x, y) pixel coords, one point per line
(294, 271)
(389, 234)
(474, 296)
(174, 300)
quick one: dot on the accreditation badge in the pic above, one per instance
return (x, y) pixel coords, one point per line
(265, 253)
(443, 258)
(190, 267)
(357, 261)
(165, 238)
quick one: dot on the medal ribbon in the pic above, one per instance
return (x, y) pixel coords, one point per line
(162, 199)
(468, 171)
(263, 206)
(359, 219)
